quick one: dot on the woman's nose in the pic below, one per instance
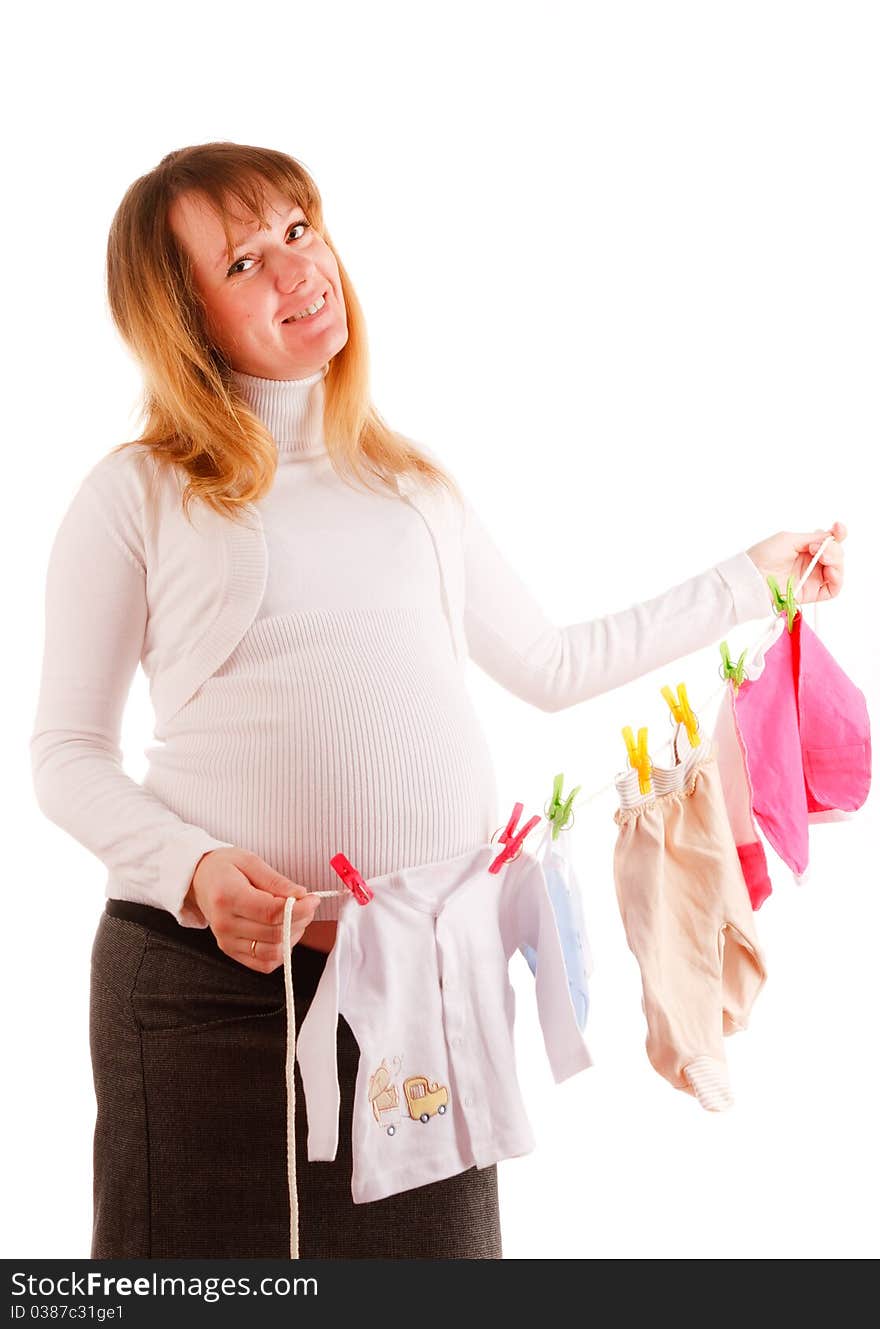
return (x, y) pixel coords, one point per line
(292, 271)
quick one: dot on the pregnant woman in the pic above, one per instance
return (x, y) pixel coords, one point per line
(301, 585)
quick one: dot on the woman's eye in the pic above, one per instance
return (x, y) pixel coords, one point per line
(231, 272)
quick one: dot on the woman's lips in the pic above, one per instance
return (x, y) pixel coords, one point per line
(310, 318)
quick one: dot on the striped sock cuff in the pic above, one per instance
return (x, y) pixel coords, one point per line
(709, 1081)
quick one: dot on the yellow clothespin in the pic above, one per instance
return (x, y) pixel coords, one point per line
(638, 757)
(682, 712)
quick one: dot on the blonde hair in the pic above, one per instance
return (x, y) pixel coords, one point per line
(195, 418)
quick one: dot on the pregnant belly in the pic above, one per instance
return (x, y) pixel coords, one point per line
(314, 739)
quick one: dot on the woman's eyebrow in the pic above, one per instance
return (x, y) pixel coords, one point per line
(224, 256)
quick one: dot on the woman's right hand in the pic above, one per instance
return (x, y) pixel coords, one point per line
(242, 898)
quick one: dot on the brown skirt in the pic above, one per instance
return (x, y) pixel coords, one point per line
(190, 1158)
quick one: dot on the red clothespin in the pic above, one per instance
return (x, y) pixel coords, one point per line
(512, 839)
(351, 878)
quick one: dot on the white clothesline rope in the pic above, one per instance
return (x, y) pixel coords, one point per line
(584, 799)
(289, 1064)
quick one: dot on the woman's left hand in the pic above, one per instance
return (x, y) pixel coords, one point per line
(790, 554)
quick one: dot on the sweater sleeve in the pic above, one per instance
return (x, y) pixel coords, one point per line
(511, 638)
(95, 621)
(316, 1053)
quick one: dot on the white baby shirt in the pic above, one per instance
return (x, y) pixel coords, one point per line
(420, 974)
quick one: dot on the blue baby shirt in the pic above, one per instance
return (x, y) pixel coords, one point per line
(565, 897)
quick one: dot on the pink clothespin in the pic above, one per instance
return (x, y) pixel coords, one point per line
(512, 839)
(351, 878)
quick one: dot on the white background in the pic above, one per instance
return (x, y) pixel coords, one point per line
(620, 268)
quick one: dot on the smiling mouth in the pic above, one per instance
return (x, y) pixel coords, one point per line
(304, 317)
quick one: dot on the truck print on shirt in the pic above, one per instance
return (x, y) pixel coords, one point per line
(422, 1099)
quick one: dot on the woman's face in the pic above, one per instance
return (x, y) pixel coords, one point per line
(273, 274)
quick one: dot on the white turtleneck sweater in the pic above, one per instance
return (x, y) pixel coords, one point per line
(341, 720)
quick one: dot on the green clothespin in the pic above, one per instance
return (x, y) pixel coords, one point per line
(730, 670)
(560, 814)
(786, 601)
